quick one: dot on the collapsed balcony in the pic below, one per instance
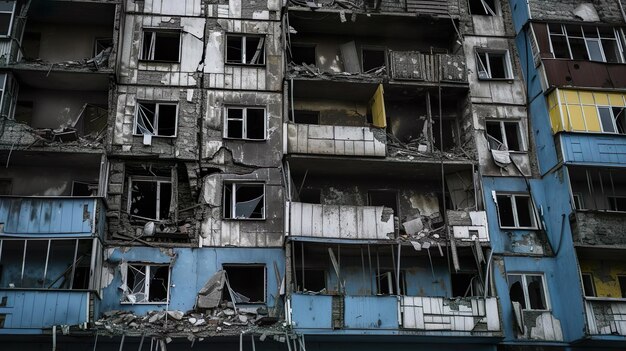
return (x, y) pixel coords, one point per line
(376, 120)
(437, 8)
(389, 289)
(599, 203)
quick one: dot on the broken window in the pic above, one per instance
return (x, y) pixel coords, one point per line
(622, 285)
(612, 119)
(84, 189)
(617, 203)
(386, 283)
(311, 195)
(245, 49)
(529, 290)
(310, 280)
(156, 118)
(575, 42)
(101, 44)
(444, 139)
(306, 117)
(588, 286)
(483, 7)
(504, 135)
(7, 8)
(373, 59)
(465, 284)
(161, 45)
(516, 211)
(386, 198)
(246, 123)
(302, 54)
(244, 200)
(493, 65)
(150, 198)
(579, 202)
(146, 283)
(245, 283)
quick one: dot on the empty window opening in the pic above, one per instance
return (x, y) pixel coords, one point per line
(483, 7)
(622, 285)
(387, 198)
(245, 49)
(504, 135)
(245, 123)
(303, 54)
(6, 186)
(101, 44)
(306, 117)
(529, 290)
(244, 200)
(386, 283)
(161, 46)
(465, 284)
(579, 202)
(84, 189)
(156, 118)
(577, 42)
(246, 283)
(617, 203)
(31, 44)
(448, 133)
(150, 198)
(373, 59)
(588, 286)
(24, 112)
(146, 283)
(493, 65)
(516, 211)
(7, 8)
(313, 280)
(311, 195)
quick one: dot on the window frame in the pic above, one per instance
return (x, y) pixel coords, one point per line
(613, 119)
(618, 37)
(593, 284)
(487, 64)
(512, 197)
(244, 123)
(11, 22)
(147, 266)
(265, 276)
(374, 48)
(160, 30)
(505, 142)
(578, 196)
(233, 184)
(491, 12)
(544, 285)
(156, 118)
(148, 179)
(243, 58)
(611, 199)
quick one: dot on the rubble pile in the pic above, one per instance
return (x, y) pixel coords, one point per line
(309, 71)
(420, 148)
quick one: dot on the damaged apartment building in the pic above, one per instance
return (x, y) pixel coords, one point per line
(323, 174)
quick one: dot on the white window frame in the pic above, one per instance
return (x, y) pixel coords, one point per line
(487, 64)
(244, 122)
(581, 200)
(251, 265)
(593, 284)
(511, 197)
(491, 12)
(159, 181)
(505, 142)
(155, 127)
(232, 184)
(618, 36)
(613, 121)
(12, 12)
(153, 40)
(544, 285)
(244, 59)
(147, 267)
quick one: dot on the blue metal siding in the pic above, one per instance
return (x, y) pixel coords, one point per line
(37, 216)
(38, 309)
(594, 149)
(311, 311)
(521, 15)
(371, 312)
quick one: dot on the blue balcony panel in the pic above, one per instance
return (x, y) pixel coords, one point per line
(594, 149)
(371, 312)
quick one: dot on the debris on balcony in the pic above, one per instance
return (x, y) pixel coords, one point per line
(309, 71)
(101, 60)
(420, 148)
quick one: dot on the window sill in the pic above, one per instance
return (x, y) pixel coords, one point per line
(243, 219)
(143, 303)
(156, 136)
(508, 80)
(245, 64)
(519, 228)
(158, 61)
(243, 139)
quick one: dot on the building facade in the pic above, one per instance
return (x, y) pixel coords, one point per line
(322, 175)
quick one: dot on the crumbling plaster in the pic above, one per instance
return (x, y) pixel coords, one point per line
(608, 10)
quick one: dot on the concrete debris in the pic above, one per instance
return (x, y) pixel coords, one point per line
(309, 71)
(211, 293)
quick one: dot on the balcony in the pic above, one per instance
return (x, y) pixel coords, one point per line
(433, 68)
(606, 316)
(594, 149)
(409, 314)
(341, 221)
(51, 216)
(469, 225)
(335, 140)
(30, 311)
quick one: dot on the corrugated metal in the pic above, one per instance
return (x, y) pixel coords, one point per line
(41, 216)
(311, 311)
(371, 312)
(43, 309)
(594, 149)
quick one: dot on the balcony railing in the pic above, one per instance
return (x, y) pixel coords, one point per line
(474, 316)
(606, 316)
(334, 140)
(341, 221)
(33, 310)
(51, 216)
(599, 228)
